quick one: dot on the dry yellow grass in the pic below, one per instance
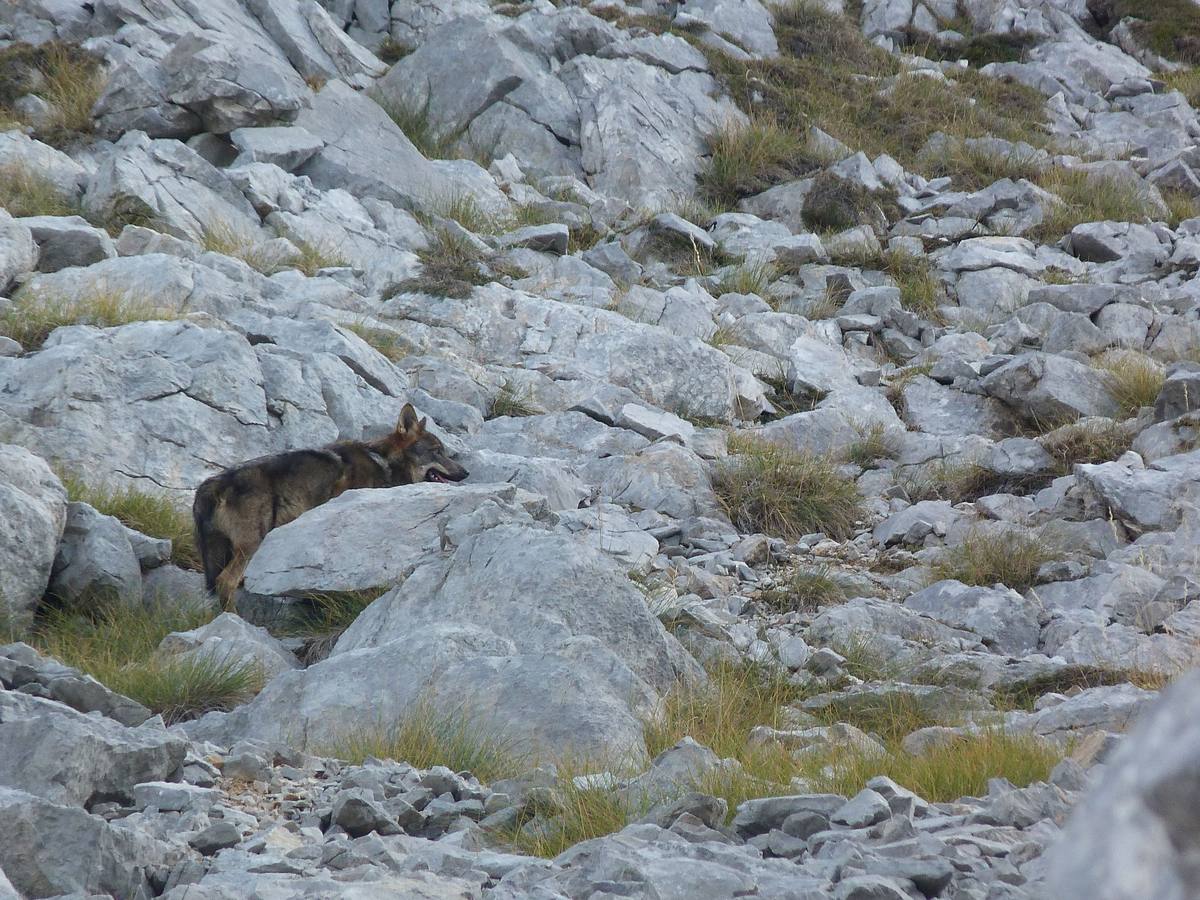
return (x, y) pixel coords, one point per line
(34, 315)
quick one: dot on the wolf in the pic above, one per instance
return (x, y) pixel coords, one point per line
(234, 510)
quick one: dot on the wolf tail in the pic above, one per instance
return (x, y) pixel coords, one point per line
(215, 548)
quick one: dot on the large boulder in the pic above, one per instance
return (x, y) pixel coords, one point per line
(511, 97)
(168, 183)
(1143, 498)
(95, 560)
(33, 513)
(51, 850)
(551, 646)
(231, 641)
(1137, 835)
(643, 131)
(597, 347)
(1051, 388)
(228, 86)
(23, 667)
(169, 403)
(370, 538)
(366, 153)
(1005, 621)
(18, 251)
(67, 757)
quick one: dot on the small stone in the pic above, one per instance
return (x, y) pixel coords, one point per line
(215, 837)
(865, 808)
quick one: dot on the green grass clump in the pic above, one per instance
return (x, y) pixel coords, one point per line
(328, 616)
(835, 204)
(873, 444)
(433, 735)
(117, 645)
(986, 558)
(721, 712)
(1025, 694)
(1090, 197)
(828, 75)
(228, 240)
(768, 488)
(1133, 379)
(749, 157)
(391, 51)
(451, 266)
(806, 590)
(577, 809)
(417, 124)
(890, 716)
(978, 49)
(914, 275)
(64, 75)
(149, 512)
(1088, 441)
(315, 256)
(513, 400)
(974, 167)
(753, 277)
(467, 212)
(1170, 28)
(24, 192)
(961, 768)
(961, 482)
(34, 315)
(389, 343)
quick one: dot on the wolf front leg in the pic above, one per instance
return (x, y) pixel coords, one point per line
(231, 578)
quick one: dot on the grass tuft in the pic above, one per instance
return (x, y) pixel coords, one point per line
(1170, 28)
(986, 558)
(765, 487)
(389, 343)
(873, 444)
(432, 735)
(391, 51)
(828, 75)
(914, 275)
(805, 590)
(451, 266)
(1133, 379)
(748, 158)
(34, 315)
(328, 616)
(974, 167)
(116, 644)
(64, 75)
(835, 204)
(721, 712)
(23, 192)
(577, 809)
(1090, 197)
(961, 768)
(224, 238)
(317, 256)
(961, 482)
(417, 124)
(151, 513)
(1088, 441)
(753, 277)
(513, 400)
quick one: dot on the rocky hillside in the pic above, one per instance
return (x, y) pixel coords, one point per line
(828, 376)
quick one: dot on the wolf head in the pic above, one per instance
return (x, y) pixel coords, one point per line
(414, 454)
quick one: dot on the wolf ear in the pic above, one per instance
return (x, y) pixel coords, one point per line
(407, 423)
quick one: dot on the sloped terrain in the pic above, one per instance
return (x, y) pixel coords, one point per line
(828, 377)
